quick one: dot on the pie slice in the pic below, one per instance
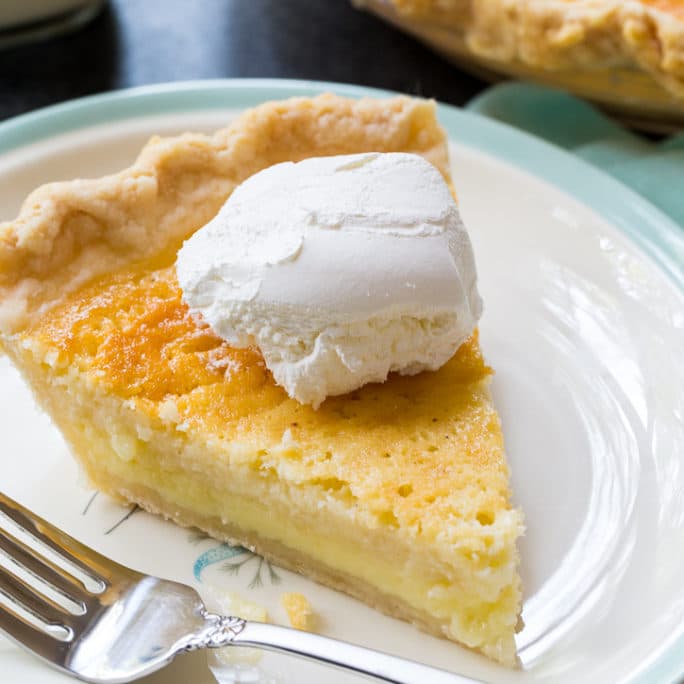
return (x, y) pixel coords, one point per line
(396, 493)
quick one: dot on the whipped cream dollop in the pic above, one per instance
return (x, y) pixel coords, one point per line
(339, 269)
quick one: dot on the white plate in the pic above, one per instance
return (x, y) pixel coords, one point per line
(586, 332)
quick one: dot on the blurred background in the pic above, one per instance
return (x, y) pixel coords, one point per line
(137, 42)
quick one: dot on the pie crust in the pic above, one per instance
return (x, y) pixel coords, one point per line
(567, 34)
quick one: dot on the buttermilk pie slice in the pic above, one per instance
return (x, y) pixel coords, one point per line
(396, 493)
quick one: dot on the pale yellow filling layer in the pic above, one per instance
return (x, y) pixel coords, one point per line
(459, 607)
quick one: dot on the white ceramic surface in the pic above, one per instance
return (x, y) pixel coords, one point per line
(586, 336)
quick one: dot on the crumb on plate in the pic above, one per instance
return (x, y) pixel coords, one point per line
(298, 610)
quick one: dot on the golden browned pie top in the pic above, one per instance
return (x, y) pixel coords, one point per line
(132, 333)
(566, 34)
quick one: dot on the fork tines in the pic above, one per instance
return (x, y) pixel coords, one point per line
(48, 581)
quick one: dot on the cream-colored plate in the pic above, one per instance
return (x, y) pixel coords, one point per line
(585, 331)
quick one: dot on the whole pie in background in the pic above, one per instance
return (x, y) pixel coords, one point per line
(626, 54)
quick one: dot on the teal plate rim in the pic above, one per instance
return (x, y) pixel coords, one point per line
(653, 232)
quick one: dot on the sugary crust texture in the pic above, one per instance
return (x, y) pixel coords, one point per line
(566, 34)
(68, 233)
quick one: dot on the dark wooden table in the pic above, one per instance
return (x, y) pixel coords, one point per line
(136, 42)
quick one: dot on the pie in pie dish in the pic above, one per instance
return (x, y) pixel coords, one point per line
(396, 493)
(627, 52)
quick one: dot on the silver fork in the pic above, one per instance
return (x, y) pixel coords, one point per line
(102, 622)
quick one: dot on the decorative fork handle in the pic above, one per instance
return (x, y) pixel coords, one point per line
(226, 631)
